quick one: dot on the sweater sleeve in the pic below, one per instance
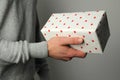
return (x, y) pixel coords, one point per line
(14, 51)
(21, 51)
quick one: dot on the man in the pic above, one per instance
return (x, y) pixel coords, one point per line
(17, 41)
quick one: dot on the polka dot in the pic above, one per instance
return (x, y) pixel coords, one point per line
(48, 20)
(96, 48)
(90, 51)
(80, 17)
(93, 40)
(69, 35)
(97, 10)
(68, 17)
(89, 32)
(87, 44)
(60, 20)
(75, 14)
(83, 36)
(52, 23)
(82, 27)
(56, 27)
(48, 30)
(94, 17)
(81, 47)
(91, 24)
(63, 14)
(64, 23)
(56, 18)
(68, 27)
(61, 31)
(44, 34)
(74, 31)
(72, 20)
(57, 35)
(89, 14)
(77, 24)
(86, 21)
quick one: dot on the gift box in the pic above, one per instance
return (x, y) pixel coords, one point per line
(91, 25)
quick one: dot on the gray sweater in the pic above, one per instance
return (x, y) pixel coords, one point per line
(17, 40)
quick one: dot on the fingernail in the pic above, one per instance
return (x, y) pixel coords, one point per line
(80, 40)
(85, 54)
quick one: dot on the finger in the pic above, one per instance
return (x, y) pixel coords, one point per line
(71, 41)
(76, 53)
(80, 54)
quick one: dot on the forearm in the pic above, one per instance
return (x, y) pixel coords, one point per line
(21, 51)
(38, 50)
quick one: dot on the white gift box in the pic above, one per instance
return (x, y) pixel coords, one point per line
(92, 25)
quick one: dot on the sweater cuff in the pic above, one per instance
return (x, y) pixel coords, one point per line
(38, 50)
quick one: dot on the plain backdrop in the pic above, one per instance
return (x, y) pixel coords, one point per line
(94, 66)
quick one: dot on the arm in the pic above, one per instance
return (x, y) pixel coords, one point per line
(12, 50)
(21, 51)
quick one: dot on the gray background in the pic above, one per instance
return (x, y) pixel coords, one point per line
(94, 66)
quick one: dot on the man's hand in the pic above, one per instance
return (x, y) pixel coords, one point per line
(59, 48)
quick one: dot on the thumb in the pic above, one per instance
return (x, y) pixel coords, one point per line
(71, 41)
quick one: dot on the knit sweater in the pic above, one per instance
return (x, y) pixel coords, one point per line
(17, 40)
